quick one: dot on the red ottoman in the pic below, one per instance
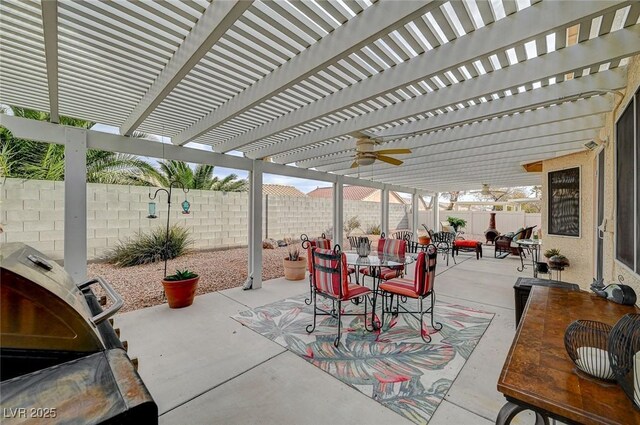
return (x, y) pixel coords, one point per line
(467, 245)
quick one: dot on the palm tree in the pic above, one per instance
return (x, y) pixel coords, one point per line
(201, 177)
(36, 160)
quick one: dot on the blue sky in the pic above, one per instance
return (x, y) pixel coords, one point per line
(302, 184)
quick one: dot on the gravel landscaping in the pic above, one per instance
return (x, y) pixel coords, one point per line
(141, 286)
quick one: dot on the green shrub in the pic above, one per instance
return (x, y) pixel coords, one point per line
(373, 229)
(144, 248)
(351, 224)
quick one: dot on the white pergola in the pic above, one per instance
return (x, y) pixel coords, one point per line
(476, 88)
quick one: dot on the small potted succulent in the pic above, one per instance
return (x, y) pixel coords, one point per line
(555, 259)
(294, 264)
(180, 288)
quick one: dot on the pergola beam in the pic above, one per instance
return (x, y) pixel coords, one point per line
(608, 47)
(607, 80)
(568, 117)
(448, 160)
(50, 32)
(215, 21)
(373, 23)
(53, 133)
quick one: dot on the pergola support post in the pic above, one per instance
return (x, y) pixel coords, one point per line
(255, 227)
(75, 203)
(384, 211)
(415, 213)
(338, 210)
(436, 211)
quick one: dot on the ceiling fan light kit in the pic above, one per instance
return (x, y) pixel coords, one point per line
(366, 155)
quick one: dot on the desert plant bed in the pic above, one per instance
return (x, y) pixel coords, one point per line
(139, 285)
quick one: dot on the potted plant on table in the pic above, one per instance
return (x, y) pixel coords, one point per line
(457, 223)
(555, 259)
(180, 288)
(294, 264)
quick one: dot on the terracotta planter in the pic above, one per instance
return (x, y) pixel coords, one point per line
(180, 293)
(424, 240)
(294, 270)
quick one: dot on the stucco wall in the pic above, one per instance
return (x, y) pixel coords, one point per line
(581, 251)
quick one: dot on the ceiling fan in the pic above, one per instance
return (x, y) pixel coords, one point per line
(367, 155)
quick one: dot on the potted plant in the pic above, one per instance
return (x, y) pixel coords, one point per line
(423, 237)
(294, 264)
(457, 223)
(180, 288)
(555, 259)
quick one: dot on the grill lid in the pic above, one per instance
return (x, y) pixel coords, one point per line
(42, 308)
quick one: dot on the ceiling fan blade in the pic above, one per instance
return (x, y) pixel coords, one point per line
(389, 160)
(354, 165)
(394, 151)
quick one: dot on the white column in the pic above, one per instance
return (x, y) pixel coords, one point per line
(255, 225)
(338, 211)
(415, 216)
(436, 212)
(75, 203)
(384, 211)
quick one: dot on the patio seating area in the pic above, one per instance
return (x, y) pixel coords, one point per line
(214, 370)
(396, 111)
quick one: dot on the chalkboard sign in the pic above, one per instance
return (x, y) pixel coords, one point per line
(564, 202)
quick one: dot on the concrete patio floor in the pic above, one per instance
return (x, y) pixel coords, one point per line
(202, 367)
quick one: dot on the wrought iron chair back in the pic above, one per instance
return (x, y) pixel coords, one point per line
(402, 234)
(331, 281)
(309, 244)
(444, 243)
(423, 287)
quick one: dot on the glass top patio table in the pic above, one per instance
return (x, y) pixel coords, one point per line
(378, 259)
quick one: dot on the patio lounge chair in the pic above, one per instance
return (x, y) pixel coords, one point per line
(506, 244)
(331, 281)
(421, 287)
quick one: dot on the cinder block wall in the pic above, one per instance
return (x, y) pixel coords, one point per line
(32, 211)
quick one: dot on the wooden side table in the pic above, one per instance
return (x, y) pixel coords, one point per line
(538, 374)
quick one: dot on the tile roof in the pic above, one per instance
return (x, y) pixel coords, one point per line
(352, 193)
(281, 190)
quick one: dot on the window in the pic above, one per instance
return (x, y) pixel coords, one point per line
(627, 237)
(564, 202)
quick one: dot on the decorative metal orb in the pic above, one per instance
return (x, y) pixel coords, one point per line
(586, 343)
(624, 355)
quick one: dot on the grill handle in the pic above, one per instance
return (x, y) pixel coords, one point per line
(111, 293)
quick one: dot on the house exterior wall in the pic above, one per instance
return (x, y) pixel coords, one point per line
(581, 251)
(612, 268)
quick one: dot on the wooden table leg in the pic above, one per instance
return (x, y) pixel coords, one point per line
(510, 410)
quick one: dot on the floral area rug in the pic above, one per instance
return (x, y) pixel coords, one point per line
(393, 366)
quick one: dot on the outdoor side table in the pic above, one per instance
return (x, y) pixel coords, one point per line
(522, 289)
(534, 246)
